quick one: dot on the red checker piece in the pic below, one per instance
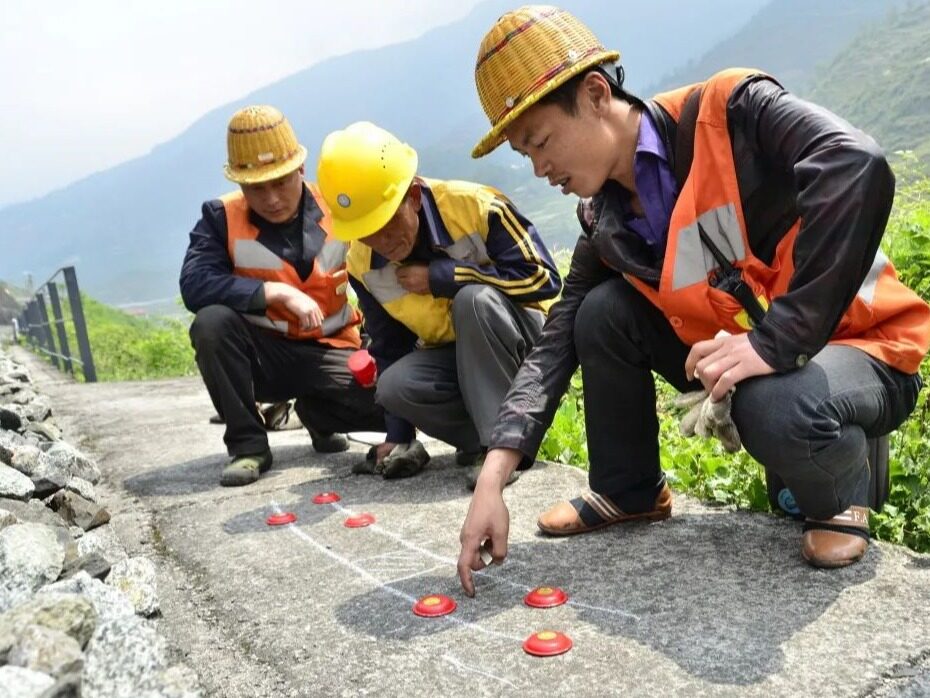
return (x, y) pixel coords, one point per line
(281, 519)
(547, 643)
(545, 597)
(434, 605)
(360, 520)
(326, 498)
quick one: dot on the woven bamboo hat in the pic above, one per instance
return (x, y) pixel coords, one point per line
(528, 53)
(261, 146)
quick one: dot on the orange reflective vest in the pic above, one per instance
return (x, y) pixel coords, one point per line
(885, 319)
(326, 284)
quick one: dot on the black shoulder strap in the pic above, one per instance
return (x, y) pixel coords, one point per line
(730, 279)
(684, 136)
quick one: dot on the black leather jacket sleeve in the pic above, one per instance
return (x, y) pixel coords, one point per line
(543, 378)
(842, 190)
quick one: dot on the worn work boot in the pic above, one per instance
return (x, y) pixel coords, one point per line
(471, 477)
(836, 542)
(592, 511)
(244, 470)
(328, 443)
(405, 460)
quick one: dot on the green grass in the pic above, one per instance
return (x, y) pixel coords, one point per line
(126, 347)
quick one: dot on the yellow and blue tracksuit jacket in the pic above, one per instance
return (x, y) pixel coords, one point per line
(469, 234)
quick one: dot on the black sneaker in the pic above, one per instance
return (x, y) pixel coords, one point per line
(328, 443)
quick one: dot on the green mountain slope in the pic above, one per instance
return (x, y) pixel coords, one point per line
(789, 39)
(881, 81)
(126, 228)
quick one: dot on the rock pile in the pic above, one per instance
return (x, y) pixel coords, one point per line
(76, 613)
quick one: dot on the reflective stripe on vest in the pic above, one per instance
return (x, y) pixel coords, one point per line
(885, 319)
(326, 284)
(429, 317)
(694, 260)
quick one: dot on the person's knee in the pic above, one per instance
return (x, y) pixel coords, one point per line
(603, 313)
(773, 421)
(211, 324)
(471, 304)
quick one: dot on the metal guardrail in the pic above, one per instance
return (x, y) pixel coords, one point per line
(33, 323)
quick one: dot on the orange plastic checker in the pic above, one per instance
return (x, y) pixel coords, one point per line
(545, 597)
(326, 498)
(434, 605)
(360, 520)
(281, 519)
(547, 643)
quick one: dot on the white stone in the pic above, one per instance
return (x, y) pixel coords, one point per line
(72, 614)
(14, 484)
(77, 463)
(102, 540)
(121, 657)
(135, 577)
(7, 518)
(80, 486)
(16, 682)
(27, 458)
(46, 650)
(30, 556)
(109, 603)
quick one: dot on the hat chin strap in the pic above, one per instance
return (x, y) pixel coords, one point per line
(614, 73)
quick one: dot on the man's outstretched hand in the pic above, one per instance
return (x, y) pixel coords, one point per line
(487, 523)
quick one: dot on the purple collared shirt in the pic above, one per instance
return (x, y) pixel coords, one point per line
(655, 184)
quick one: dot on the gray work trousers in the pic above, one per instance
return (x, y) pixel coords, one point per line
(809, 426)
(453, 392)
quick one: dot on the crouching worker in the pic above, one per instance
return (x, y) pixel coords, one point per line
(267, 282)
(454, 284)
(729, 205)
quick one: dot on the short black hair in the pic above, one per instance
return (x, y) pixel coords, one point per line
(566, 94)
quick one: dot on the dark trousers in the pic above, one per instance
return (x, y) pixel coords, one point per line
(454, 392)
(809, 426)
(241, 364)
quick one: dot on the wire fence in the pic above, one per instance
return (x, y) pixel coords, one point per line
(49, 335)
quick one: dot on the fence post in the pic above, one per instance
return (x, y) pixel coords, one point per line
(80, 325)
(60, 327)
(46, 329)
(31, 314)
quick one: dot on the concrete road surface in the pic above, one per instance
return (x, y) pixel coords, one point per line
(711, 602)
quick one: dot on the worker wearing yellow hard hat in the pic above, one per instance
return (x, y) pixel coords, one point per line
(730, 240)
(267, 280)
(454, 284)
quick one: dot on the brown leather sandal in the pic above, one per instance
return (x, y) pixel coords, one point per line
(592, 511)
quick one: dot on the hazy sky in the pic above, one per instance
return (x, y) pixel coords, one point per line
(86, 84)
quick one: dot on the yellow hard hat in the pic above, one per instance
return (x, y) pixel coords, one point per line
(528, 53)
(261, 146)
(363, 174)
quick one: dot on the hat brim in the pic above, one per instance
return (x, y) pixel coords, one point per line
(266, 173)
(495, 136)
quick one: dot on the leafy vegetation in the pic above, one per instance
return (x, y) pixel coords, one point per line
(125, 347)
(702, 468)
